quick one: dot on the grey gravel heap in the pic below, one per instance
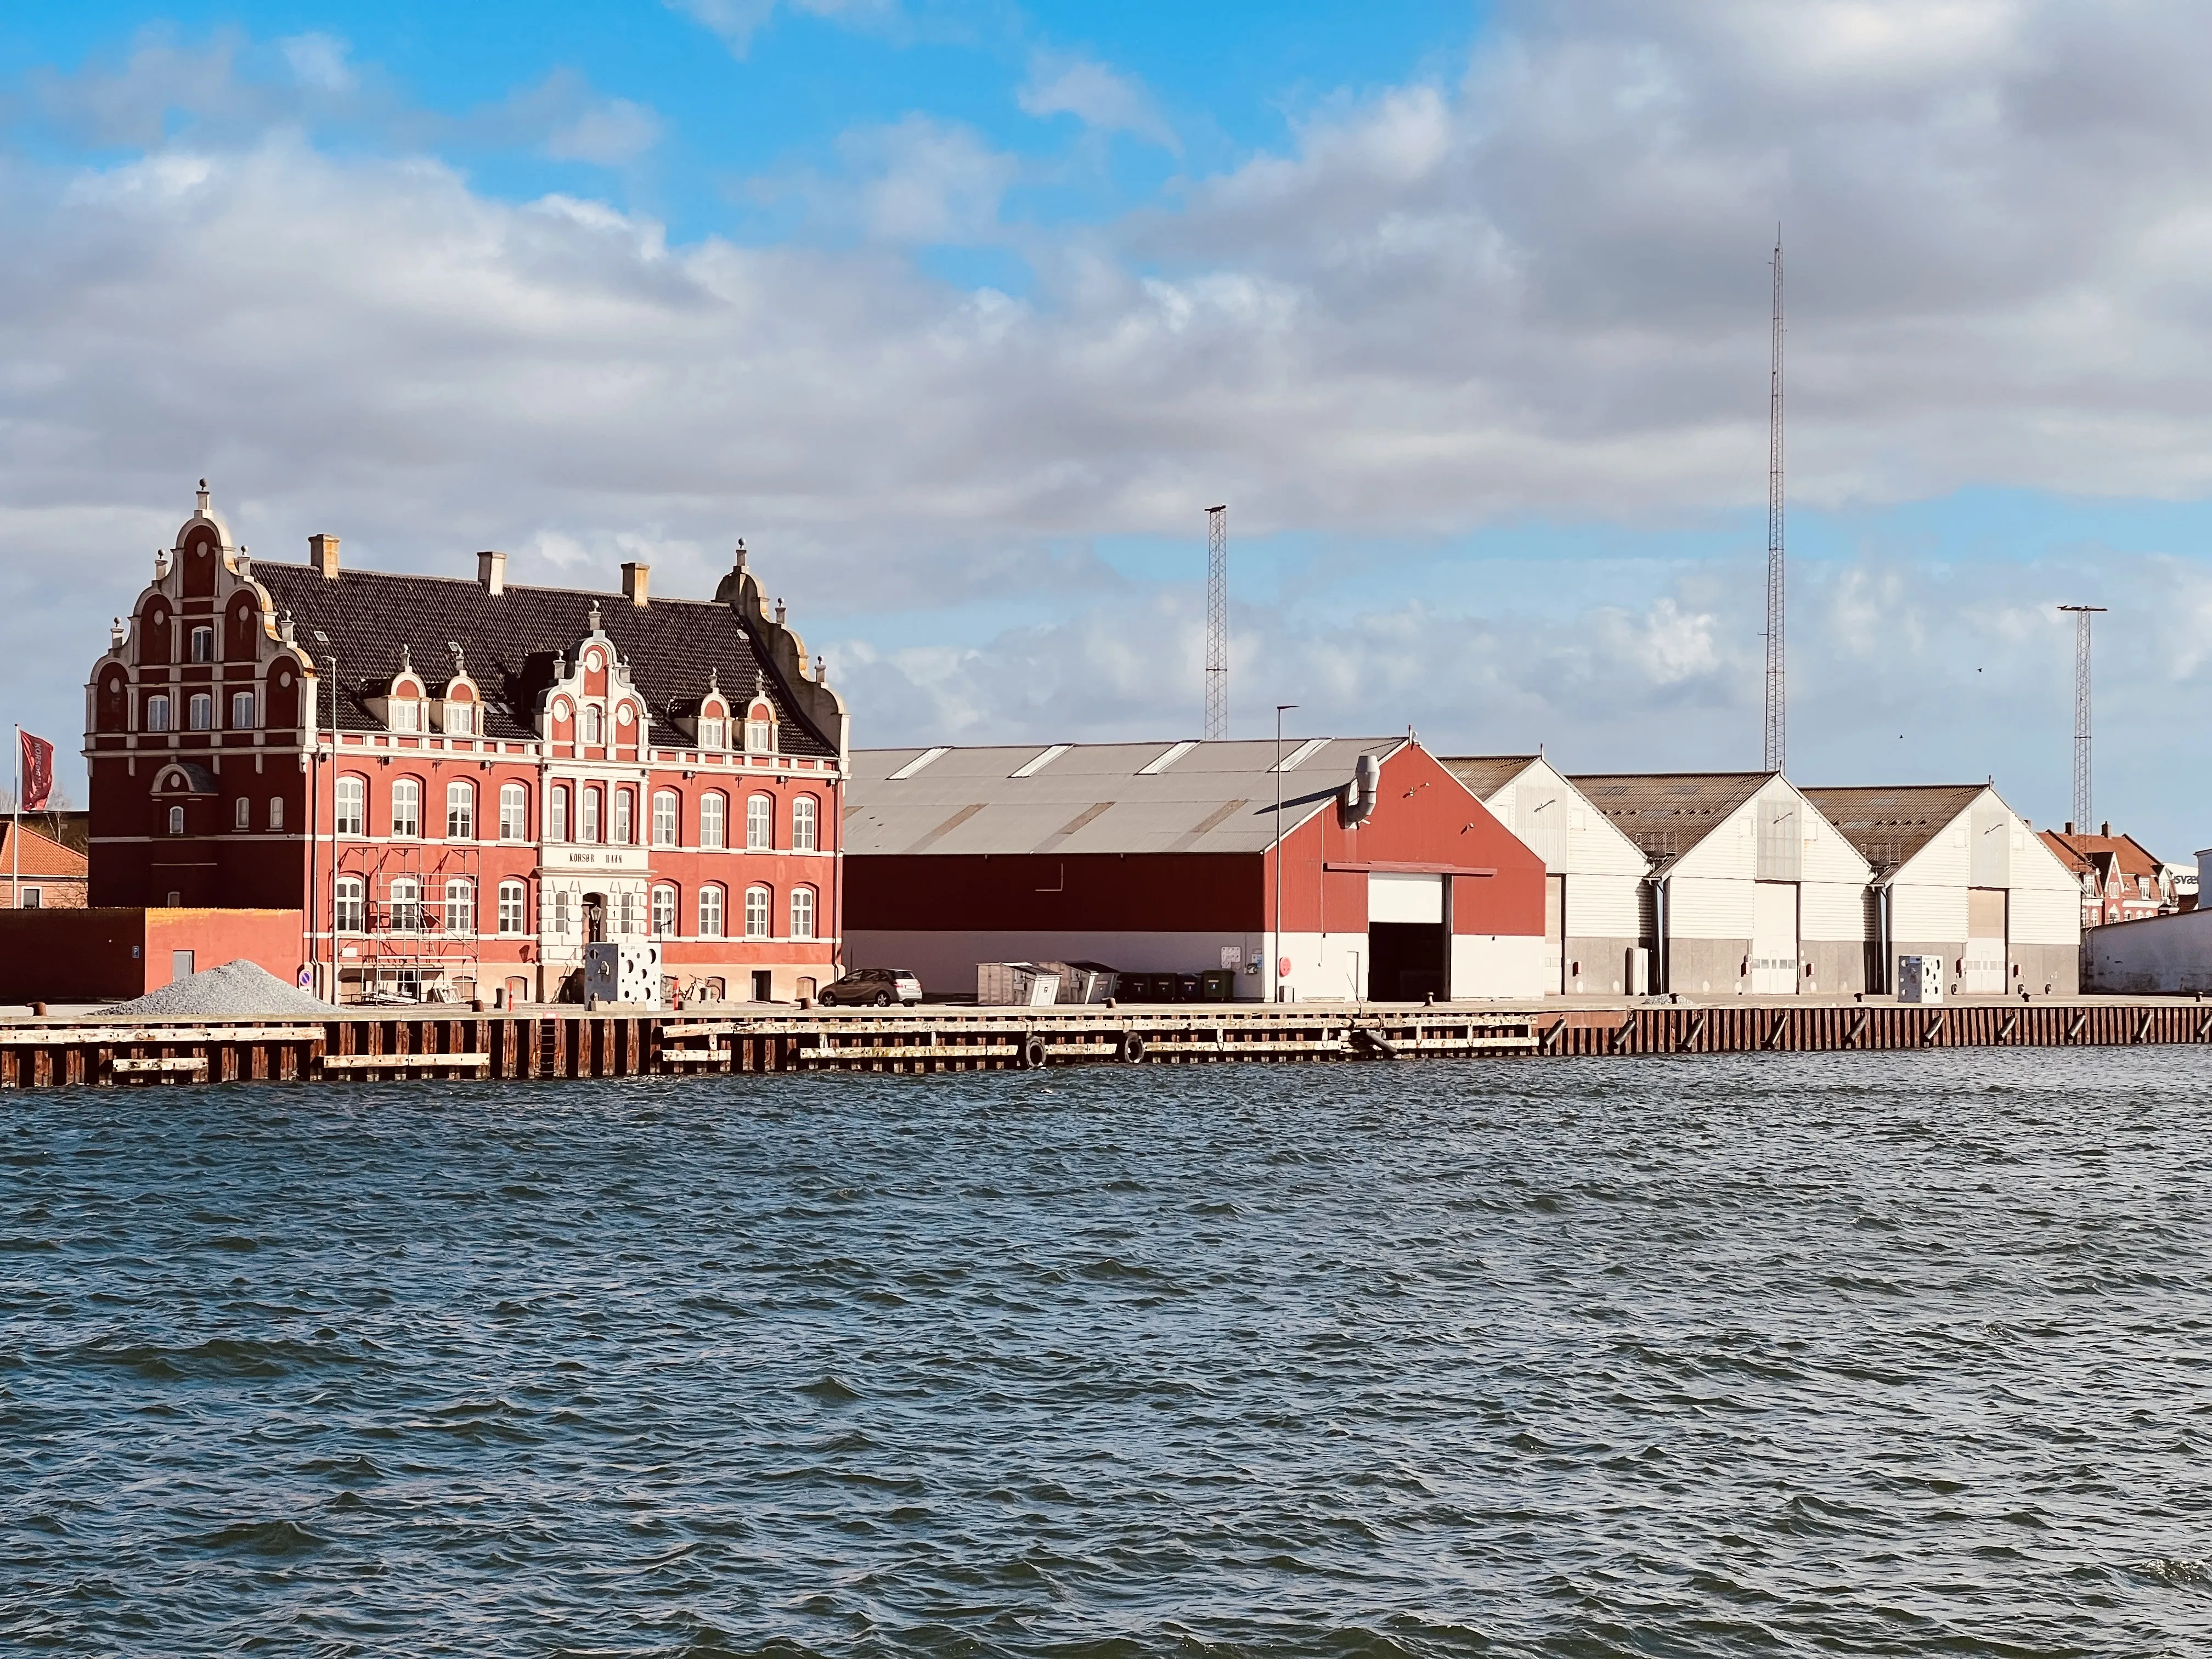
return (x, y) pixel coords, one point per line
(241, 989)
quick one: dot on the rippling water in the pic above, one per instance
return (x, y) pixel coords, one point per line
(1792, 1354)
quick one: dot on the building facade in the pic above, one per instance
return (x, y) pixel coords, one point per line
(2118, 878)
(38, 873)
(1381, 877)
(1753, 892)
(1598, 902)
(459, 784)
(1958, 874)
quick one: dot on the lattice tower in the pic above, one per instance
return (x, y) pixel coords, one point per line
(1777, 690)
(2082, 802)
(1217, 622)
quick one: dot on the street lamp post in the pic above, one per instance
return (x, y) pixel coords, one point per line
(1275, 968)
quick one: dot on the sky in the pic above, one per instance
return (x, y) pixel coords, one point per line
(961, 314)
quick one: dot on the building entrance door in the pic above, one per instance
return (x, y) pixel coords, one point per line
(595, 918)
(1984, 971)
(1774, 937)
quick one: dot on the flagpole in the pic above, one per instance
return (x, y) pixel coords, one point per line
(16, 837)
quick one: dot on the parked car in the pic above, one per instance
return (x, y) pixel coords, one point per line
(880, 986)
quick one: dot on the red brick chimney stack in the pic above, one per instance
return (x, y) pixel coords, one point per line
(323, 554)
(633, 581)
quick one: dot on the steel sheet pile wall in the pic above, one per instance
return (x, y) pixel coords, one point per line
(532, 1045)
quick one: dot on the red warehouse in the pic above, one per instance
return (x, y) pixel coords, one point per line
(1161, 857)
(461, 783)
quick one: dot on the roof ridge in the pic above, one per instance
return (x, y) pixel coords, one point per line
(260, 565)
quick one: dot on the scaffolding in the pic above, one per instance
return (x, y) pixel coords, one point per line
(405, 950)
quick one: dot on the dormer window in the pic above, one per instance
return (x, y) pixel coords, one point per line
(760, 729)
(710, 731)
(460, 720)
(404, 714)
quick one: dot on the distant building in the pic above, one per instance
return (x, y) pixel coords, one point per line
(461, 783)
(1753, 891)
(1958, 874)
(53, 877)
(1597, 903)
(1394, 882)
(2120, 880)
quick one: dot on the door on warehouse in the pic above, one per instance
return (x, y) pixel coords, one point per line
(1409, 938)
(1983, 971)
(1555, 933)
(1774, 937)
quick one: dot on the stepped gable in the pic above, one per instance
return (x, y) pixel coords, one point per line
(512, 639)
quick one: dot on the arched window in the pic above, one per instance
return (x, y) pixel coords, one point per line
(557, 812)
(200, 712)
(351, 911)
(407, 807)
(157, 712)
(241, 711)
(276, 811)
(460, 812)
(667, 809)
(353, 806)
(664, 912)
(806, 825)
(561, 913)
(513, 907)
(241, 814)
(711, 808)
(625, 819)
(802, 913)
(758, 899)
(406, 905)
(176, 820)
(461, 905)
(760, 823)
(594, 724)
(513, 812)
(760, 729)
(710, 912)
(203, 644)
(587, 826)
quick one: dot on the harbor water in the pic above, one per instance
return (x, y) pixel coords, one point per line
(1893, 1354)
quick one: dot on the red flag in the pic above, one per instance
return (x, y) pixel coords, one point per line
(38, 773)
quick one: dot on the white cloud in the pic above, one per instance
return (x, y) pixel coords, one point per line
(319, 61)
(921, 180)
(737, 21)
(1095, 95)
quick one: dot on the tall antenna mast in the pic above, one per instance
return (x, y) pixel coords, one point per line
(1777, 690)
(2081, 614)
(1217, 622)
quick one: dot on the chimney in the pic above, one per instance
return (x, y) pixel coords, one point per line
(323, 554)
(2070, 826)
(491, 572)
(2107, 831)
(634, 576)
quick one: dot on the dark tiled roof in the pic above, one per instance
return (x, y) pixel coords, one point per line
(511, 641)
(1891, 824)
(1668, 814)
(1486, 775)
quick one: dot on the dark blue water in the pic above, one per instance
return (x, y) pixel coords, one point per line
(1792, 1354)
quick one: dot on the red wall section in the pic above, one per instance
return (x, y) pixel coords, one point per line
(113, 955)
(1148, 892)
(1424, 819)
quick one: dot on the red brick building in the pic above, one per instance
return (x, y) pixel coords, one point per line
(2121, 881)
(461, 783)
(39, 873)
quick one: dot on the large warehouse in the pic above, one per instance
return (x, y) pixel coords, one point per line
(1754, 891)
(1958, 874)
(1161, 857)
(1597, 920)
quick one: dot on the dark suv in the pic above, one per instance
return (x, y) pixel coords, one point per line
(880, 986)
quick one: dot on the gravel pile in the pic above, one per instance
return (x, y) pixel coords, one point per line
(238, 989)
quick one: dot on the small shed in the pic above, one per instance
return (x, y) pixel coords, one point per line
(1597, 901)
(1391, 881)
(1958, 874)
(1753, 891)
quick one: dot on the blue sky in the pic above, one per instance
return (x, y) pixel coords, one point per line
(961, 313)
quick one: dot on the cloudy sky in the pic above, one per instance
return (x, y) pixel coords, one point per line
(962, 313)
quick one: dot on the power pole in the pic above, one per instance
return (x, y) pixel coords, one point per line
(1777, 690)
(1217, 623)
(2082, 805)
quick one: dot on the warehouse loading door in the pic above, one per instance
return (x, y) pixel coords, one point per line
(1555, 933)
(1984, 973)
(1774, 937)
(1408, 947)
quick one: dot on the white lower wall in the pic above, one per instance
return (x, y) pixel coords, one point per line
(2159, 955)
(2046, 915)
(946, 961)
(1604, 906)
(1499, 965)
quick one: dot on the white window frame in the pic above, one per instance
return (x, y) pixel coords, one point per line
(625, 824)
(461, 905)
(408, 828)
(350, 808)
(276, 812)
(760, 911)
(587, 819)
(242, 813)
(200, 711)
(350, 905)
(241, 711)
(406, 905)
(176, 820)
(806, 824)
(513, 907)
(460, 719)
(663, 905)
(200, 644)
(760, 823)
(557, 812)
(157, 712)
(711, 730)
(514, 811)
(461, 825)
(710, 911)
(802, 912)
(404, 714)
(667, 817)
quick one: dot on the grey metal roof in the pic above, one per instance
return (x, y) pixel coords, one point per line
(1486, 775)
(1889, 824)
(1092, 797)
(1668, 814)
